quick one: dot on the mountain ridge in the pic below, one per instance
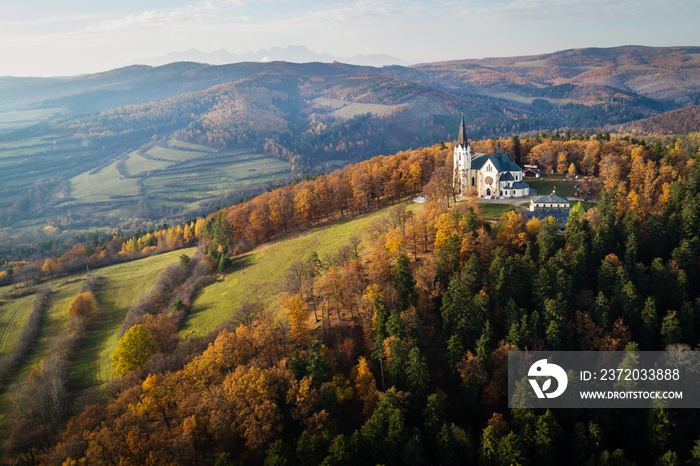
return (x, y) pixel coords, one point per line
(291, 53)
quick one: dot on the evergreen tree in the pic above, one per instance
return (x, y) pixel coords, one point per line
(671, 331)
(546, 238)
(317, 365)
(650, 323)
(417, 377)
(404, 283)
(447, 258)
(517, 150)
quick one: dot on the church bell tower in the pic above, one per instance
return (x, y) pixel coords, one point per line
(462, 158)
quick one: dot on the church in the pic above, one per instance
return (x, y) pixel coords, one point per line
(494, 176)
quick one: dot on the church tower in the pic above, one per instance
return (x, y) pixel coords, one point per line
(462, 157)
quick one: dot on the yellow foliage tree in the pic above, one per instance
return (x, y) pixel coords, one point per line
(83, 305)
(445, 226)
(395, 243)
(510, 231)
(365, 386)
(159, 397)
(252, 395)
(533, 226)
(133, 350)
(297, 318)
(562, 162)
(188, 234)
(303, 205)
(199, 228)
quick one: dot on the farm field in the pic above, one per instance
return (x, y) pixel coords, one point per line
(121, 285)
(23, 148)
(177, 155)
(528, 100)
(28, 160)
(55, 318)
(213, 175)
(137, 164)
(345, 109)
(21, 119)
(174, 143)
(169, 182)
(101, 186)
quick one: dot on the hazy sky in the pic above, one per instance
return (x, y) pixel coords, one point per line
(67, 37)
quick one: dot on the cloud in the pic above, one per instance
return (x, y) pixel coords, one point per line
(419, 30)
(50, 20)
(543, 12)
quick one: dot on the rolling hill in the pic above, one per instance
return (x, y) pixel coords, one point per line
(106, 151)
(680, 121)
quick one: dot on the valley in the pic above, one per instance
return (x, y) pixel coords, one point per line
(140, 146)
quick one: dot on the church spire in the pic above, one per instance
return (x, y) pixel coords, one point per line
(462, 135)
(498, 147)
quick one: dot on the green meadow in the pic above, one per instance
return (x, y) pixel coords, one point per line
(177, 155)
(170, 181)
(14, 314)
(91, 187)
(548, 183)
(20, 119)
(258, 275)
(121, 286)
(347, 109)
(494, 211)
(136, 164)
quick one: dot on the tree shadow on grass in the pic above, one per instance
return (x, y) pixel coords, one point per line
(240, 263)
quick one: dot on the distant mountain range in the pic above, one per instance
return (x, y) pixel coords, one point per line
(291, 53)
(59, 133)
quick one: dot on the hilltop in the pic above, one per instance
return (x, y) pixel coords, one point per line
(135, 147)
(680, 121)
(312, 344)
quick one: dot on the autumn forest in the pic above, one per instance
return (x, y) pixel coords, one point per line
(391, 350)
(269, 264)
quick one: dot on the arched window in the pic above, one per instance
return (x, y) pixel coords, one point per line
(473, 181)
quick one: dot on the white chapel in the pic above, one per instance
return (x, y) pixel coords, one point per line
(493, 175)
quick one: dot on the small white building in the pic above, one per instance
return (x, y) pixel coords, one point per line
(549, 201)
(550, 205)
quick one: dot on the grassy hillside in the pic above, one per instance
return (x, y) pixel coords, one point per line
(122, 285)
(14, 314)
(257, 276)
(55, 319)
(170, 181)
(15, 120)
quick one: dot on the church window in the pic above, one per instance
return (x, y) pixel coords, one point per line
(473, 181)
